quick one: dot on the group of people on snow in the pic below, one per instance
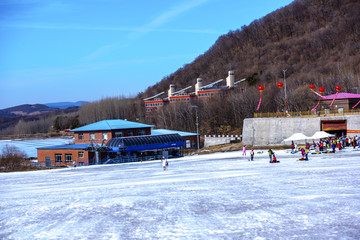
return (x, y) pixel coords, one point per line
(324, 145)
(272, 156)
(329, 144)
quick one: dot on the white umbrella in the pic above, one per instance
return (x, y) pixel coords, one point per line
(321, 134)
(296, 137)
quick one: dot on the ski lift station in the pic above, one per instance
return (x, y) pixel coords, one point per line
(117, 141)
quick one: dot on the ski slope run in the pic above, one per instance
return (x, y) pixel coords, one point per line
(215, 196)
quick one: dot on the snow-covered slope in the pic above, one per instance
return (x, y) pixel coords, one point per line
(217, 196)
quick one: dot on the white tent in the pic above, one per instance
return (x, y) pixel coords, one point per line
(321, 134)
(296, 137)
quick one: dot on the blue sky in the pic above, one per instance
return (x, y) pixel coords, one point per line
(60, 50)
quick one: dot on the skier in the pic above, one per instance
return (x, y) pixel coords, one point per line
(274, 160)
(271, 153)
(164, 163)
(333, 147)
(252, 155)
(303, 154)
(292, 147)
(244, 150)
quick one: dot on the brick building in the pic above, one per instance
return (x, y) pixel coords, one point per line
(90, 142)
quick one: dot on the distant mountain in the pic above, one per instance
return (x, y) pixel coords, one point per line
(32, 112)
(65, 105)
(28, 113)
(26, 110)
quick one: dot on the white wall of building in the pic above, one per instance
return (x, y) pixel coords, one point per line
(272, 131)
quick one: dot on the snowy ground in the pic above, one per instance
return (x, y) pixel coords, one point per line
(29, 146)
(217, 196)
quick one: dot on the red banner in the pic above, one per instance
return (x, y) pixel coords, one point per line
(352, 131)
(257, 109)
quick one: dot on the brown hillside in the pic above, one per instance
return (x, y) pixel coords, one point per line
(316, 41)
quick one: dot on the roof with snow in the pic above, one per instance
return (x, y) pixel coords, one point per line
(341, 95)
(113, 124)
(166, 131)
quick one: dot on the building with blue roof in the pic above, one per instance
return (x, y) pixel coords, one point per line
(107, 129)
(166, 131)
(190, 139)
(91, 140)
(112, 124)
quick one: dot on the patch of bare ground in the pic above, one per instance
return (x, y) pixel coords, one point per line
(238, 147)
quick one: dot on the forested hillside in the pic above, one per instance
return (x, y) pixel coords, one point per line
(315, 41)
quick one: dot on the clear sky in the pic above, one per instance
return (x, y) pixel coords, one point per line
(60, 50)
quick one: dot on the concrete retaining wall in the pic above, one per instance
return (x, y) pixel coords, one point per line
(212, 140)
(272, 131)
(353, 125)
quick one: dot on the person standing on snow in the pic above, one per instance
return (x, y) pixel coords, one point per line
(333, 146)
(303, 153)
(244, 150)
(252, 155)
(165, 163)
(271, 154)
(306, 154)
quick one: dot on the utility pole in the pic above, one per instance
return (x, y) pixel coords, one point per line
(197, 126)
(286, 109)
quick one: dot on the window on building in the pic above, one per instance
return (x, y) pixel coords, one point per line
(119, 134)
(81, 154)
(68, 158)
(58, 158)
(129, 133)
(105, 136)
(81, 136)
(141, 132)
(92, 135)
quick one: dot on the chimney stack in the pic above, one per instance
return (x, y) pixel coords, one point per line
(230, 79)
(198, 84)
(171, 90)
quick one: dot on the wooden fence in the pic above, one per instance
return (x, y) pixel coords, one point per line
(322, 113)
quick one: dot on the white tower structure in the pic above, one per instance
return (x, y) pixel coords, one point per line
(198, 84)
(171, 90)
(230, 79)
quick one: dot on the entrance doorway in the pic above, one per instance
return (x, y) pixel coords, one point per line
(47, 161)
(337, 127)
